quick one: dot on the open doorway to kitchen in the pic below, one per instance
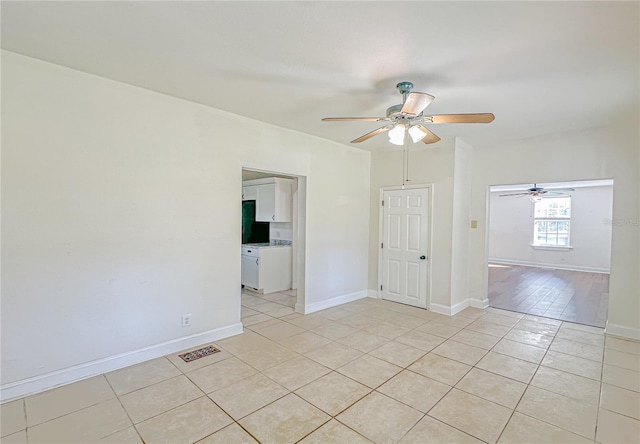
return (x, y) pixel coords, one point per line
(549, 249)
(273, 233)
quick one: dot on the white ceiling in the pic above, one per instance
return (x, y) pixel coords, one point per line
(540, 67)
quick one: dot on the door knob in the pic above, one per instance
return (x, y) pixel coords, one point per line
(422, 258)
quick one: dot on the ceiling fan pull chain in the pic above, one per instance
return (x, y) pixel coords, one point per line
(406, 147)
(405, 162)
(404, 156)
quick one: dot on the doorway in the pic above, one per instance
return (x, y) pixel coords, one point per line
(549, 251)
(273, 257)
(404, 246)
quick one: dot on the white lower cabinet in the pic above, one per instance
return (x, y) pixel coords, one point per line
(250, 271)
(266, 269)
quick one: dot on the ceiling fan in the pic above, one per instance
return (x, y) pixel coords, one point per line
(535, 193)
(408, 118)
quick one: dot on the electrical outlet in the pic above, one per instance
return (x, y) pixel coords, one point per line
(186, 320)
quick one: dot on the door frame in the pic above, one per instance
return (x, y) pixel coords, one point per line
(299, 231)
(429, 188)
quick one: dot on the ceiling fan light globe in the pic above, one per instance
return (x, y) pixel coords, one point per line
(396, 134)
(416, 134)
(535, 198)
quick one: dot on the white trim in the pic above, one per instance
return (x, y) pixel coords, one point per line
(373, 294)
(439, 308)
(449, 311)
(552, 247)
(479, 303)
(328, 303)
(459, 307)
(622, 331)
(541, 265)
(37, 384)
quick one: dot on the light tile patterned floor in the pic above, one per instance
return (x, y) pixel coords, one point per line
(367, 371)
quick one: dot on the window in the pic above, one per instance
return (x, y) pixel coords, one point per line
(552, 219)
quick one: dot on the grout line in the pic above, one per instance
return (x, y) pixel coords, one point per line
(528, 384)
(124, 410)
(370, 390)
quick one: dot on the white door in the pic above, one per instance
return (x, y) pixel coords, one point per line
(404, 246)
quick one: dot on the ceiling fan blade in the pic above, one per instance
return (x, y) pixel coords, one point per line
(415, 103)
(513, 194)
(354, 119)
(461, 118)
(561, 189)
(430, 137)
(371, 134)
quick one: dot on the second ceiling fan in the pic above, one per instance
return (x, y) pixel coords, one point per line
(408, 118)
(535, 193)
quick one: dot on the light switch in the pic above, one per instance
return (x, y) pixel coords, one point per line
(474, 224)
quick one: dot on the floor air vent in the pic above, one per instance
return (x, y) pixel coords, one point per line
(197, 354)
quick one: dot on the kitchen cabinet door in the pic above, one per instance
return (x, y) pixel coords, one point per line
(251, 271)
(274, 202)
(250, 192)
(266, 203)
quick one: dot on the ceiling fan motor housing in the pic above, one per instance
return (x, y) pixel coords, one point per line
(394, 113)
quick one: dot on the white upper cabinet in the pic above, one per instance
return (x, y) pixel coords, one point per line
(273, 198)
(250, 192)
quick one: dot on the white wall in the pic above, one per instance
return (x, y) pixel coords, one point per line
(511, 231)
(428, 165)
(460, 220)
(603, 153)
(121, 212)
(281, 231)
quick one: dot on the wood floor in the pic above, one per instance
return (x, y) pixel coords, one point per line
(573, 296)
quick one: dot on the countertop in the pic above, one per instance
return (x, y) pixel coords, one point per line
(265, 245)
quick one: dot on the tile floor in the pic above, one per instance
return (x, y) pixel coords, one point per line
(259, 308)
(367, 371)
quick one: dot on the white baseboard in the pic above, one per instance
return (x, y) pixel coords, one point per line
(321, 305)
(459, 307)
(372, 294)
(441, 309)
(37, 384)
(479, 303)
(541, 265)
(447, 310)
(622, 331)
